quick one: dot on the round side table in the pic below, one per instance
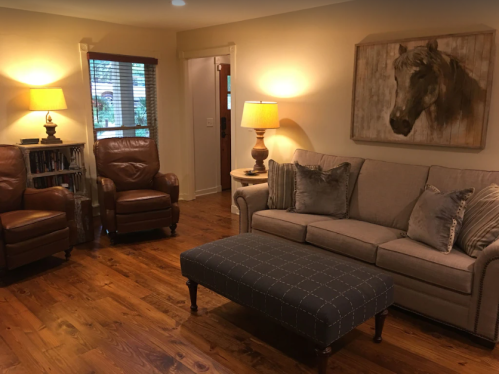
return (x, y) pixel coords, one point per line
(239, 176)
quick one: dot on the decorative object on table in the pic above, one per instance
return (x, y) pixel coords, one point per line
(47, 99)
(481, 221)
(317, 296)
(282, 184)
(431, 91)
(437, 217)
(260, 115)
(251, 173)
(29, 141)
(239, 175)
(322, 192)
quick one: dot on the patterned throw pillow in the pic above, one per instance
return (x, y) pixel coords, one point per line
(437, 217)
(282, 184)
(322, 192)
(481, 221)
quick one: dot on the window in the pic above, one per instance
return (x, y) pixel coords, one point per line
(123, 95)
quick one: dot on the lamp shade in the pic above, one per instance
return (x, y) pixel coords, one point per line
(47, 99)
(260, 115)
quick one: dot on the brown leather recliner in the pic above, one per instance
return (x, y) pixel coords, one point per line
(33, 223)
(133, 194)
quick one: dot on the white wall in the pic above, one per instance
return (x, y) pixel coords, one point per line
(42, 50)
(304, 60)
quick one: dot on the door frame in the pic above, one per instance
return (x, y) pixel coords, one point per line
(187, 120)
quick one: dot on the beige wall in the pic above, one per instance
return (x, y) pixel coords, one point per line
(304, 60)
(39, 49)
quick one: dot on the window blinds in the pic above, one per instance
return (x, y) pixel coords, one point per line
(123, 90)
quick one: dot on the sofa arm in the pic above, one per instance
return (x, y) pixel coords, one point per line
(249, 200)
(484, 312)
(106, 190)
(54, 198)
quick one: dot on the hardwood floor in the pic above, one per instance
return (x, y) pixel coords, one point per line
(125, 309)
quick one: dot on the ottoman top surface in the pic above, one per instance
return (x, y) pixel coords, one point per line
(307, 290)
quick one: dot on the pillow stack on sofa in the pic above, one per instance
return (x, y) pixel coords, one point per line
(438, 219)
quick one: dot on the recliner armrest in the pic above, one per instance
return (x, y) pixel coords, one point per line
(53, 199)
(108, 189)
(484, 310)
(167, 183)
(249, 200)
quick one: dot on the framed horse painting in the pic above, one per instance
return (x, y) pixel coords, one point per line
(427, 91)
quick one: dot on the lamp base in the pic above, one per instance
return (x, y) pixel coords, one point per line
(51, 139)
(260, 152)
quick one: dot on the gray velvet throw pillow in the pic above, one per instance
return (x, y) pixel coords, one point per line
(322, 192)
(282, 184)
(437, 217)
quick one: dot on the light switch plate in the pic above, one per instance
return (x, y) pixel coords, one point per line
(209, 122)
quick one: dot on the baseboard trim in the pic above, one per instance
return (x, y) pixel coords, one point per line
(209, 191)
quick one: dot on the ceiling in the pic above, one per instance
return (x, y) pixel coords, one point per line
(162, 14)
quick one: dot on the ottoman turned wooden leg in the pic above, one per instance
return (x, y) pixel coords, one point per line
(323, 359)
(379, 323)
(193, 292)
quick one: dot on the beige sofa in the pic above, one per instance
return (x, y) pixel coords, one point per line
(454, 288)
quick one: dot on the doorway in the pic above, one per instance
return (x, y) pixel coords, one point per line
(210, 86)
(224, 80)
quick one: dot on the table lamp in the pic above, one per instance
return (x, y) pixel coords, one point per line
(48, 99)
(260, 115)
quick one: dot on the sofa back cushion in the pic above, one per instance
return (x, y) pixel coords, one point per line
(131, 163)
(448, 179)
(386, 193)
(12, 178)
(328, 162)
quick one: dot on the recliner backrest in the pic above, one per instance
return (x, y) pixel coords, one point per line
(12, 178)
(131, 163)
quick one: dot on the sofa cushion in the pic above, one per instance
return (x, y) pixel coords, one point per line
(328, 162)
(137, 201)
(448, 179)
(322, 192)
(386, 193)
(438, 216)
(453, 270)
(21, 225)
(292, 226)
(351, 238)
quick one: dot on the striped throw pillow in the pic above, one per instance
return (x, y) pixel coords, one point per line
(282, 185)
(481, 221)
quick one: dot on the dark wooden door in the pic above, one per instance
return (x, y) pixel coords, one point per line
(225, 122)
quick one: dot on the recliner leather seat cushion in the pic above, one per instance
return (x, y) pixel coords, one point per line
(21, 225)
(351, 238)
(137, 201)
(292, 226)
(413, 259)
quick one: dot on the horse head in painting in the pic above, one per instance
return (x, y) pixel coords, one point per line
(433, 81)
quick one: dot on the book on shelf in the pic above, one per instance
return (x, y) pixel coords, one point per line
(47, 161)
(72, 182)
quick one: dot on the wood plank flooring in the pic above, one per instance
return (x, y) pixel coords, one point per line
(125, 309)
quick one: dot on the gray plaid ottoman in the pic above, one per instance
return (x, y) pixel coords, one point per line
(309, 292)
